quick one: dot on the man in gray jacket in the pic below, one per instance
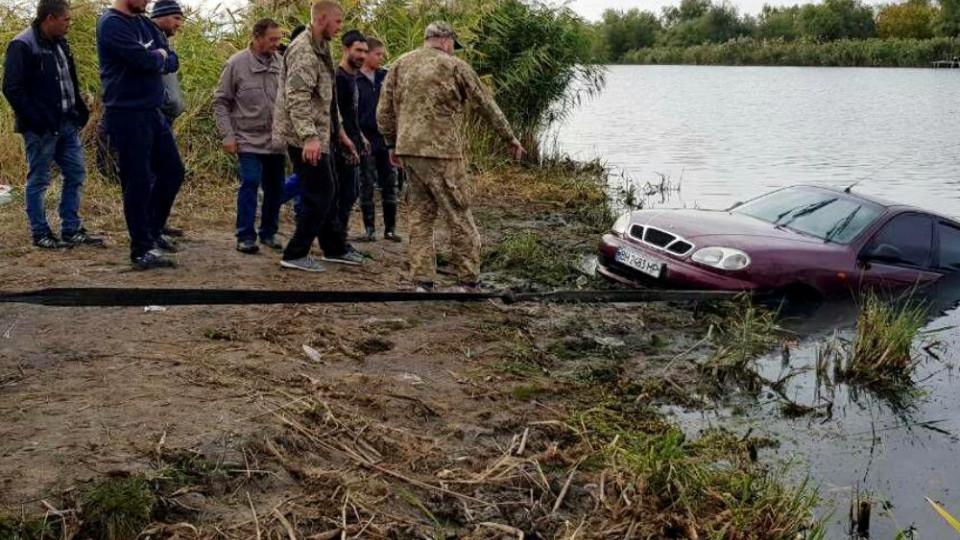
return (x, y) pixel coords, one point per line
(243, 104)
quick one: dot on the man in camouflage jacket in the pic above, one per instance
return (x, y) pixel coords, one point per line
(303, 121)
(421, 114)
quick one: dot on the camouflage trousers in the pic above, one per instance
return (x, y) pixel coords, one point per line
(437, 185)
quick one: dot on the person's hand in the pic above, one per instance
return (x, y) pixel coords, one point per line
(517, 150)
(395, 160)
(230, 147)
(311, 151)
(366, 146)
(353, 158)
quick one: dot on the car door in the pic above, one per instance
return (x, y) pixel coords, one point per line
(900, 254)
(948, 247)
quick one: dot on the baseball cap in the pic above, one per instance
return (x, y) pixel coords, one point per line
(441, 29)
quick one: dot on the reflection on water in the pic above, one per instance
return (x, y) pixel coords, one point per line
(736, 132)
(901, 447)
(727, 134)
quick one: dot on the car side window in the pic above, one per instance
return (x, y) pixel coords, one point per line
(906, 239)
(949, 247)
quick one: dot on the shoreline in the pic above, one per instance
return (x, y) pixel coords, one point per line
(417, 419)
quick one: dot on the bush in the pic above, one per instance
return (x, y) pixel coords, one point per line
(530, 54)
(748, 51)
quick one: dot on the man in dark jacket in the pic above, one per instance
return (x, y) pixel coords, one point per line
(169, 17)
(351, 146)
(375, 168)
(133, 59)
(40, 82)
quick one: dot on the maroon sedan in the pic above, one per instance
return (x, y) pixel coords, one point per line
(810, 241)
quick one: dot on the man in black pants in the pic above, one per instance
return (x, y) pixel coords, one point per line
(351, 141)
(133, 60)
(375, 168)
(302, 120)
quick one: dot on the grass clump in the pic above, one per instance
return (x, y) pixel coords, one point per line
(527, 256)
(118, 508)
(666, 485)
(741, 333)
(882, 348)
(45, 528)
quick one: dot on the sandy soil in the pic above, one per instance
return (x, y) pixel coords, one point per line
(404, 402)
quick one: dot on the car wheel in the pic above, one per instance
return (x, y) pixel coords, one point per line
(796, 300)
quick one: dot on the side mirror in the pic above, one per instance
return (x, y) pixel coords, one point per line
(882, 253)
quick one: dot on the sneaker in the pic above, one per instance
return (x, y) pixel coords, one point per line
(360, 252)
(272, 243)
(351, 258)
(173, 232)
(248, 246)
(425, 286)
(392, 236)
(471, 287)
(165, 244)
(49, 241)
(307, 264)
(369, 236)
(152, 260)
(82, 238)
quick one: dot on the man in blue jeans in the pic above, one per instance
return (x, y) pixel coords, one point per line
(243, 105)
(133, 59)
(40, 82)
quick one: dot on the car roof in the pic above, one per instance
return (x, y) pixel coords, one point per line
(880, 201)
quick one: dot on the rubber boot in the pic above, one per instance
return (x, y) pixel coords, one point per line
(390, 218)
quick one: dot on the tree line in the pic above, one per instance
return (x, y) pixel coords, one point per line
(638, 35)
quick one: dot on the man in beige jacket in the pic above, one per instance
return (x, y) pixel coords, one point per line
(243, 104)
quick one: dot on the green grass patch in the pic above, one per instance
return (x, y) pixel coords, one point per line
(529, 391)
(526, 255)
(711, 486)
(118, 508)
(45, 528)
(517, 369)
(882, 350)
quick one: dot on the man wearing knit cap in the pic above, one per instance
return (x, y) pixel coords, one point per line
(168, 16)
(421, 113)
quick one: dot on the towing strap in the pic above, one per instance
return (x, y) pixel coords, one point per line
(118, 297)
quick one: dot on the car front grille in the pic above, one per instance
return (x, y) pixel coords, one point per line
(661, 239)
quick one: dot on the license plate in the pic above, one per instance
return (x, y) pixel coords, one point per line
(647, 265)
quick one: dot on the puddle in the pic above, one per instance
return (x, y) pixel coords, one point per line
(900, 449)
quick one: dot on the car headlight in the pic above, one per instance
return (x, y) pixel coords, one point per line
(722, 258)
(620, 226)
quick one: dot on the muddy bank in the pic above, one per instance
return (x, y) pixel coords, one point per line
(371, 421)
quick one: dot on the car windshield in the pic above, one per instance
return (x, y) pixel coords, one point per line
(830, 216)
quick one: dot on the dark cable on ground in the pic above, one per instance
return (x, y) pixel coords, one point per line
(120, 297)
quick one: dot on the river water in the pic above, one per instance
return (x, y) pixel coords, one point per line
(726, 134)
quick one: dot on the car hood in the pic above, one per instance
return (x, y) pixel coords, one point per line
(703, 227)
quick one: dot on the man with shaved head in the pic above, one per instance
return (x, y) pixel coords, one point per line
(303, 121)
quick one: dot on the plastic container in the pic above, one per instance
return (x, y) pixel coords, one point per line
(6, 194)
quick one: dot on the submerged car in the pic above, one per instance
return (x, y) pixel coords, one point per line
(807, 241)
